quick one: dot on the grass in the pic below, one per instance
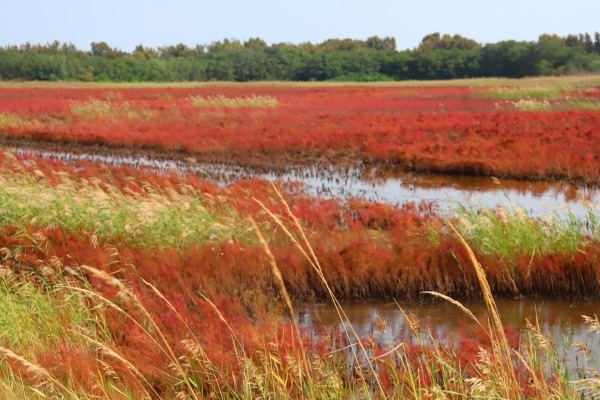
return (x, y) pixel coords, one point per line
(33, 321)
(532, 105)
(522, 93)
(8, 120)
(73, 331)
(559, 82)
(98, 108)
(220, 101)
(504, 232)
(323, 126)
(580, 104)
(552, 96)
(549, 104)
(165, 218)
(422, 369)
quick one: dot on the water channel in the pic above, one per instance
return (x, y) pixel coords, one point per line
(560, 319)
(446, 191)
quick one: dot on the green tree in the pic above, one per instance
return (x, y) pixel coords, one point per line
(252, 65)
(226, 46)
(255, 44)
(144, 53)
(509, 59)
(178, 50)
(102, 49)
(219, 67)
(287, 61)
(435, 41)
(377, 43)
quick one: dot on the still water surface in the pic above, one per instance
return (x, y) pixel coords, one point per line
(561, 320)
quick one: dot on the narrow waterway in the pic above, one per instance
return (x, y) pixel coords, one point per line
(446, 191)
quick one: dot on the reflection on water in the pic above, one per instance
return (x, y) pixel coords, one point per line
(561, 320)
(537, 198)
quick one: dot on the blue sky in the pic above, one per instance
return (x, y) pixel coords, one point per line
(125, 23)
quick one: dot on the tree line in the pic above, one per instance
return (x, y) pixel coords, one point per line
(374, 59)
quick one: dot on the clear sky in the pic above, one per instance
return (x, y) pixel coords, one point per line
(125, 23)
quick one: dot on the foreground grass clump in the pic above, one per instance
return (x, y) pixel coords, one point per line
(34, 321)
(220, 101)
(503, 231)
(171, 217)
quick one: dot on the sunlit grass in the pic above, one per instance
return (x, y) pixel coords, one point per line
(540, 102)
(8, 120)
(422, 367)
(563, 82)
(158, 217)
(522, 93)
(580, 104)
(506, 232)
(220, 101)
(33, 321)
(532, 105)
(106, 108)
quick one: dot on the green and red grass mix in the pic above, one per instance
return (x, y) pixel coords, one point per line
(211, 295)
(150, 285)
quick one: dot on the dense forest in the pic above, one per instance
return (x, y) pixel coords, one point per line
(374, 59)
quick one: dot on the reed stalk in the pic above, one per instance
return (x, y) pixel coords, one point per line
(501, 349)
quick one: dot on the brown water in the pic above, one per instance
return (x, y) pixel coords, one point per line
(561, 320)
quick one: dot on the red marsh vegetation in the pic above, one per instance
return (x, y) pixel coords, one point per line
(532, 134)
(201, 313)
(367, 250)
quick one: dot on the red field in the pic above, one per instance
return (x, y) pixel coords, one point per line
(453, 130)
(180, 298)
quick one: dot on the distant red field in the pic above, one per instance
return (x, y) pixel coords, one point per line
(457, 130)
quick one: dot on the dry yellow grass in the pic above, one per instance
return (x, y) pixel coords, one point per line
(220, 101)
(9, 120)
(501, 349)
(572, 81)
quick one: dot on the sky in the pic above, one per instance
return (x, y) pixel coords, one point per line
(123, 24)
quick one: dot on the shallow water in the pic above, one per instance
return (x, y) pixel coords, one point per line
(561, 320)
(446, 191)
